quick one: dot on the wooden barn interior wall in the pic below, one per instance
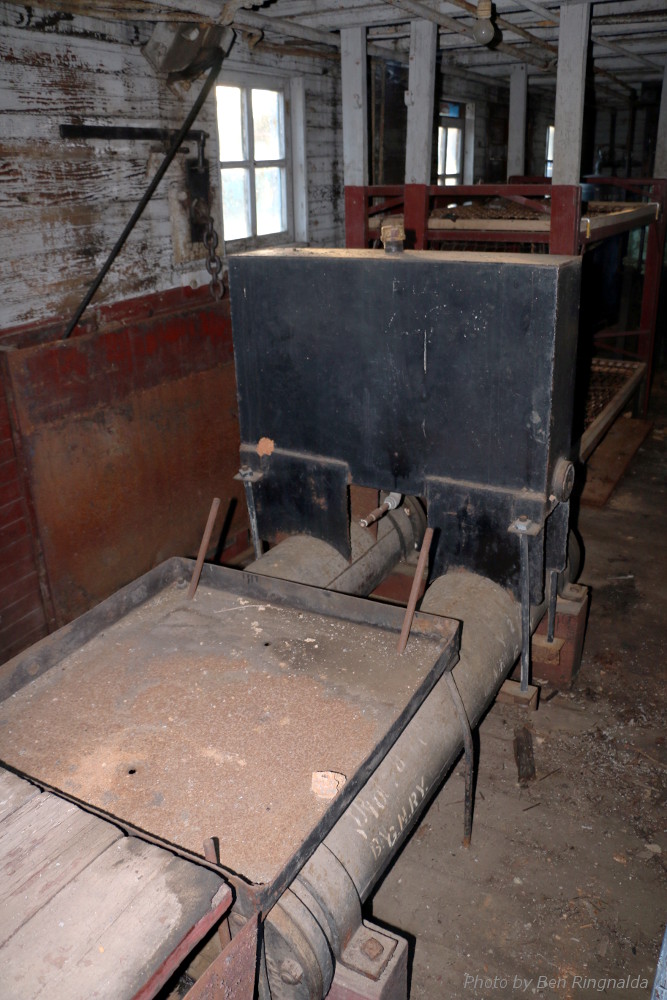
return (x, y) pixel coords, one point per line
(113, 443)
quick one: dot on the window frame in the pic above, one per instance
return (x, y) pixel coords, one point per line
(247, 82)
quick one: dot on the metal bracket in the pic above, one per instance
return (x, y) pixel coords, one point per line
(525, 528)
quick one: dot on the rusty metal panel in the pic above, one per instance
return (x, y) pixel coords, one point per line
(126, 436)
(23, 616)
(233, 973)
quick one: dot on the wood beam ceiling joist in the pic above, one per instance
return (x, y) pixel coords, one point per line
(421, 10)
(554, 16)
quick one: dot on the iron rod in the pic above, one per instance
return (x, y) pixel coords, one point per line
(525, 612)
(553, 598)
(148, 194)
(414, 591)
(206, 537)
(469, 750)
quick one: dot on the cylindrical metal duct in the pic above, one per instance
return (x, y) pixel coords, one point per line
(305, 559)
(366, 838)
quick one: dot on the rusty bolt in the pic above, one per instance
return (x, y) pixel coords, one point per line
(372, 948)
(291, 972)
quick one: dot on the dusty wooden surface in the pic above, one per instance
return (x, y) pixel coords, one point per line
(86, 911)
(193, 719)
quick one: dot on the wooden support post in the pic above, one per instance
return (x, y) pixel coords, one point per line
(516, 137)
(570, 87)
(355, 218)
(297, 93)
(565, 218)
(660, 166)
(415, 207)
(420, 100)
(355, 106)
(655, 255)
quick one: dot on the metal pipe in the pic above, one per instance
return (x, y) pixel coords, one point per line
(372, 830)
(310, 560)
(148, 194)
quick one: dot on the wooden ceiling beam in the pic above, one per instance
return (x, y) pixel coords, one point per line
(416, 9)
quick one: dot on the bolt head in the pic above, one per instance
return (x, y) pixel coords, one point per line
(372, 948)
(291, 972)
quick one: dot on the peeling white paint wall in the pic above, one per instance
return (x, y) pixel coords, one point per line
(64, 203)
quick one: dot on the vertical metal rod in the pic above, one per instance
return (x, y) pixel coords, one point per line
(148, 194)
(469, 750)
(553, 598)
(211, 855)
(525, 611)
(246, 476)
(206, 537)
(414, 591)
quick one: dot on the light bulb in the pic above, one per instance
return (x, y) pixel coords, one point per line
(483, 31)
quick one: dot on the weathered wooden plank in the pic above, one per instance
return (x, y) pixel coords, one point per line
(516, 137)
(354, 73)
(14, 792)
(660, 168)
(100, 28)
(43, 846)
(105, 932)
(421, 101)
(570, 88)
(610, 460)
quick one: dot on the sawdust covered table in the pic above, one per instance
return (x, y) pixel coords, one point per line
(186, 720)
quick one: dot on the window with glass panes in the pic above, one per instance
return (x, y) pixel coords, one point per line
(253, 164)
(450, 145)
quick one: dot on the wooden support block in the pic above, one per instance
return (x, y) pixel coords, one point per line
(543, 651)
(511, 694)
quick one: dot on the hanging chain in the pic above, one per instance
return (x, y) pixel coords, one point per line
(213, 262)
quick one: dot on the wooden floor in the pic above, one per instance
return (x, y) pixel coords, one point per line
(86, 911)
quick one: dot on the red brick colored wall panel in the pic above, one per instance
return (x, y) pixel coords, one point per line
(18, 633)
(16, 553)
(23, 582)
(6, 453)
(13, 525)
(99, 369)
(10, 489)
(127, 435)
